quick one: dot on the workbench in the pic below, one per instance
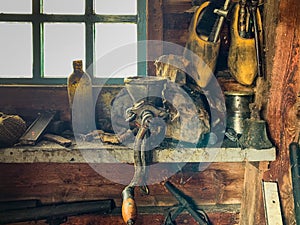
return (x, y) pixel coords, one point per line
(89, 152)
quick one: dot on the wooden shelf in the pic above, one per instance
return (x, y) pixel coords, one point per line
(46, 152)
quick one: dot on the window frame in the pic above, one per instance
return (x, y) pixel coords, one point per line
(89, 18)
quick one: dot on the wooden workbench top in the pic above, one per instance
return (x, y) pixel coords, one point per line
(98, 153)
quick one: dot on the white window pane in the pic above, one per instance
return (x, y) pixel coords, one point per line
(15, 6)
(63, 44)
(116, 50)
(64, 6)
(16, 50)
(115, 7)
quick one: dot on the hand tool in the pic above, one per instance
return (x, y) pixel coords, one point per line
(253, 10)
(295, 169)
(198, 215)
(222, 13)
(37, 128)
(146, 107)
(54, 214)
(58, 139)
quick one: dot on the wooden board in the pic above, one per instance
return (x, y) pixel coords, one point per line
(52, 183)
(272, 203)
(46, 152)
(282, 61)
(156, 219)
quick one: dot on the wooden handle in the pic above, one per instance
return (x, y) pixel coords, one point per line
(58, 139)
(129, 211)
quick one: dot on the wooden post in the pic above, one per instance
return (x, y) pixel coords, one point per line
(282, 63)
(155, 31)
(252, 199)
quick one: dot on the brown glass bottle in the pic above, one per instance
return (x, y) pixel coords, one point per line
(81, 100)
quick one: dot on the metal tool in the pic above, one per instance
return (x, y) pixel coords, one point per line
(147, 96)
(37, 128)
(295, 168)
(253, 10)
(198, 215)
(58, 139)
(222, 13)
(243, 18)
(55, 214)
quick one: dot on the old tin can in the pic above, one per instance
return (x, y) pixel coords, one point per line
(237, 106)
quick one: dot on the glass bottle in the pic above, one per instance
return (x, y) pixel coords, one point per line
(81, 102)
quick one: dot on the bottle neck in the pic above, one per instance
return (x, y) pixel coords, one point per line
(78, 70)
(77, 66)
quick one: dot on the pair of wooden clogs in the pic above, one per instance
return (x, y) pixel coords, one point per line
(203, 53)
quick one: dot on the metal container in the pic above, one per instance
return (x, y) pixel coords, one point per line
(237, 106)
(145, 88)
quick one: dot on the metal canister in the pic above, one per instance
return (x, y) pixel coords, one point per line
(237, 106)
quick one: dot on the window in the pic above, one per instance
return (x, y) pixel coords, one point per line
(40, 39)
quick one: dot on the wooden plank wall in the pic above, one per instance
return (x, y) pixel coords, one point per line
(283, 61)
(220, 183)
(217, 185)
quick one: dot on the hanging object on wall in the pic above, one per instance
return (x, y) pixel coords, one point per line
(81, 99)
(12, 127)
(200, 51)
(244, 61)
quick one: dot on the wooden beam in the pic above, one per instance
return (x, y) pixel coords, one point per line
(272, 203)
(252, 195)
(155, 32)
(282, 63)
(218, 184)
(99, 153)
(155, 219)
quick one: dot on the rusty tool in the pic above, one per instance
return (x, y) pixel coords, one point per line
(129, 209)
(253, 11)
(58, 139)
(37, 128)
(198, 215)
(54, 214)
(145, 110)
(222, 13)
(243, 18)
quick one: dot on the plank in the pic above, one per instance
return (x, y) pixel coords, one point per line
(99, 153)
(155, 32)
(177, 21)
(51, 183)
(252, 195)
(155, 219)
(282, 64)
(272, 203)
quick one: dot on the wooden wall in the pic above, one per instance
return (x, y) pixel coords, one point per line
(220, 183)
(283, 61)
(55, 183)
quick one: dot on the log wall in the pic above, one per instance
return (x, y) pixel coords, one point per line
(220, 183)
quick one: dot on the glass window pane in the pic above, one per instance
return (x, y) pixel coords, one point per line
(16, 50)
(15, 6)
(63, 43)
(116, 50)
(64, 6)
(115, 7)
